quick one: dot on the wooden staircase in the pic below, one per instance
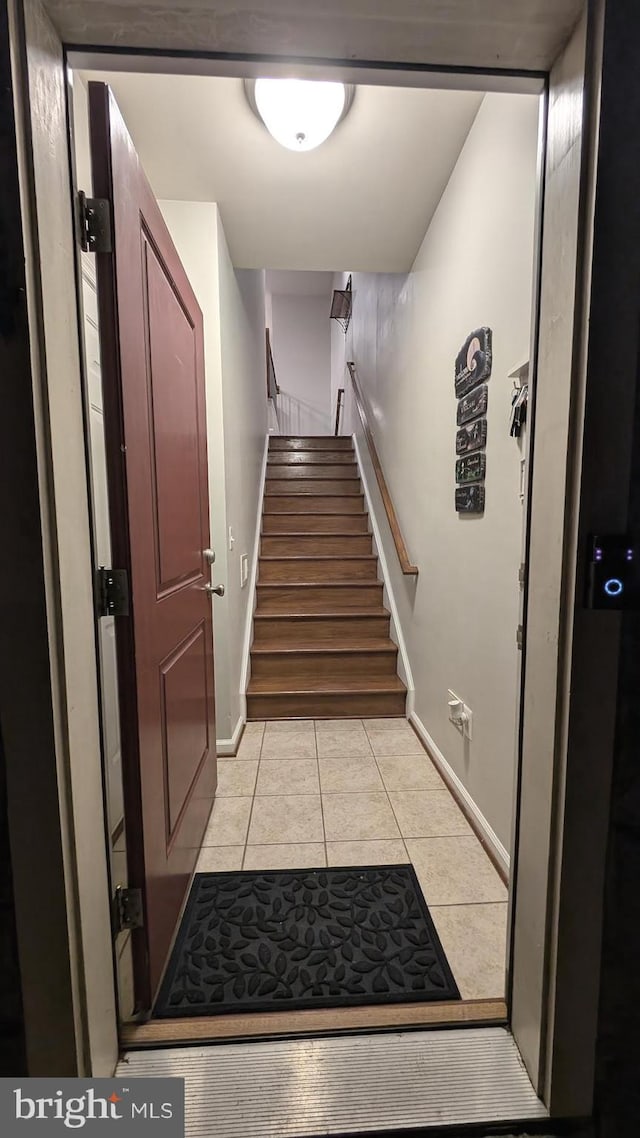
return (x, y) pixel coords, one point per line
(321, 645)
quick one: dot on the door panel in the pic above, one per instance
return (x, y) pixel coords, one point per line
(156, 450)
(173, 391)
(184, 718)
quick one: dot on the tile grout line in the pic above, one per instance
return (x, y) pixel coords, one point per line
(404, 845)
(324, 828)
(253, 799)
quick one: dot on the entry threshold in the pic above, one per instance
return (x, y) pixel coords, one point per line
(351, 1085)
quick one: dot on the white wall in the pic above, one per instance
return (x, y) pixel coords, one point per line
(244, 386)
(474, 268)
(233, 310)
(301, 345)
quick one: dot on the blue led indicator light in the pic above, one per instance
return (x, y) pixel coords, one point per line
(613, 587)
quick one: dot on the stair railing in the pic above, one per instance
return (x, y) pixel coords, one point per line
(403, 557)
(339, 403)
(273, 390)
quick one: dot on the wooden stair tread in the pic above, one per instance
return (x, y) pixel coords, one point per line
(319, 556)
(272, 685)
(301, 513)
(318, 493)
(335, 669)
(325, 614)
(308, 442)
(306, 535)
(326, 644)
(344, 583)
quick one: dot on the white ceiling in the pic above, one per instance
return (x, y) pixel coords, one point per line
(361, 201)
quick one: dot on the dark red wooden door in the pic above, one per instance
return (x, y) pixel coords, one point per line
(155, 424)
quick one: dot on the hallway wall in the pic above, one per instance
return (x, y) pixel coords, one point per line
(244, 384)
(474, 268)
(301, 345)
(233, 309)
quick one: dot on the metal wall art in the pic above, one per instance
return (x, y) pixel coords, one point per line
(473, 362)
(472, 370)
(473, 437)
(471, 469)
(470, 499)
(473, 404)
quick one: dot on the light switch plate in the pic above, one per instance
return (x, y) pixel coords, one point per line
(244, 570)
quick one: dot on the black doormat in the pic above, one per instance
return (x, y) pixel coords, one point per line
(304, 938)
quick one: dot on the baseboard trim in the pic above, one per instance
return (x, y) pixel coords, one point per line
(404, 667)
(476, 819)
(230, 746)
(251, 603)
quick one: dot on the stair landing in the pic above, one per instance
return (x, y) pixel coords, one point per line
(321, 646)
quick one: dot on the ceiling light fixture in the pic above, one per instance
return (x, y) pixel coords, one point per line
(299, 113)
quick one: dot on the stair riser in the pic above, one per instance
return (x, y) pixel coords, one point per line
(310, 442)
(326, 486)
(318, 598)
(307, 705)
(310, 523)
(317, 457)
(286, 503)
(300, 630)
(344, 470)
(323, 544)
(290, 666)
(303, 569)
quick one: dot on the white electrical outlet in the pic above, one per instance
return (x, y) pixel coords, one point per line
(244, 570)
(460, 715)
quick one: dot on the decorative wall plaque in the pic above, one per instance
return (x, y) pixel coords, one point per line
(471, 469)
(473, 362)
(470, 499)
(473, 404)
(471, 438)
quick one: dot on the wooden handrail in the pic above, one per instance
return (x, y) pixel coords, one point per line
(403, 557)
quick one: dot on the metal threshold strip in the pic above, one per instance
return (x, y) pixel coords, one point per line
(347, 1085)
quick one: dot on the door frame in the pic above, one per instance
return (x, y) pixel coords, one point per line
(554, 924)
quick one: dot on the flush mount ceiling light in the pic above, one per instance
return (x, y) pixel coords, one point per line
(299, 113)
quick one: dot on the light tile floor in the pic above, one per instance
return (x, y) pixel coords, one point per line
(362, 792)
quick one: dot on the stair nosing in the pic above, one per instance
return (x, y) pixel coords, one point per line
(318, 557)
(360, 582)
(364, 690)
(305, 533)
(331, 614)
(390, 649)
(326, 513)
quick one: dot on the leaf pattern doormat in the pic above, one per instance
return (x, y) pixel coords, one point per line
(307, 938)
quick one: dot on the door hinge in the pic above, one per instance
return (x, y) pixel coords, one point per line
(112, 592)
(129, 913)
(94, 224)
(522, 573)
(520, 636)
